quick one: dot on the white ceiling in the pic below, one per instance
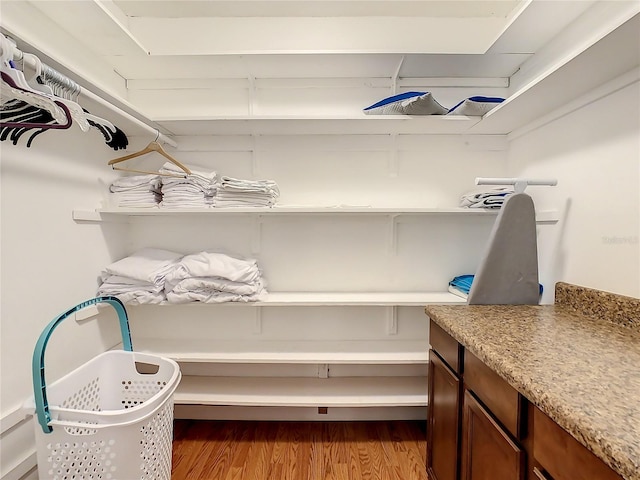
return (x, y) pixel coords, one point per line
(318, 8)
(119, 45)
(226, 39)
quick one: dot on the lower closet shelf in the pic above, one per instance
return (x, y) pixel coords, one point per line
(303, 392)
(371, 352)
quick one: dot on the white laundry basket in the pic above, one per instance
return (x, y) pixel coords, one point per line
(107, 419)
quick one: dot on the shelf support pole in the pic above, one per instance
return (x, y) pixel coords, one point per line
(252, 94)
(392, 320)
(257, 324)
(323, 370)
(256, 241)
(392, 234)
(396, 75)
(255, 164)
(393, 156)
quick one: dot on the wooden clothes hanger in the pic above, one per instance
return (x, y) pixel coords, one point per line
(153, 146)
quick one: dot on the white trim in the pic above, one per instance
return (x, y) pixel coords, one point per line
(208, 412)
(349, 352)
(118, 17)
(596, 94)
(351, 392)
(13, 418)
(27, 465)
(112, 214)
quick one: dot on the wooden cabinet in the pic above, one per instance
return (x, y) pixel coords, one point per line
(481, 428)
(469, 442)
(488, 452)
(443, 420)
(560, 457)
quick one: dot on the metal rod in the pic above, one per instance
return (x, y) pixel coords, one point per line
(19, 56)
(520, 184)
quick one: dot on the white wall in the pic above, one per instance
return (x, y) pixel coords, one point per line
(594, 153)
(49, 264)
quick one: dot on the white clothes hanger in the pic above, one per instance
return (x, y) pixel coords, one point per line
(32, 80)
(16, 85)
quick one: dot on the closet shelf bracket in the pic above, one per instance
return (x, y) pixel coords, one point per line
(257, 324)
(256, 238)
(393, 157)
(255, 164)
(392, 234)
(392, 320)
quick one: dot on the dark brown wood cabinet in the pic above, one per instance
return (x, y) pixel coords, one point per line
(443, 420)
(559, 456)
(488, 452)
(480, 428)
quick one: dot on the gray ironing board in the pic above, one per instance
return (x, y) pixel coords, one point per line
(508, 273)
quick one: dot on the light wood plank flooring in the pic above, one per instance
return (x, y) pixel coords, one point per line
(235, 450)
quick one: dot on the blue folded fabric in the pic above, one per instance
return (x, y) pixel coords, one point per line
(463, 283)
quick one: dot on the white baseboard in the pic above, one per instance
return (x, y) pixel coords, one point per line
(24, 470)
(208, 412)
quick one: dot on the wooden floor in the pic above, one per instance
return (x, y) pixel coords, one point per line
(233, 450)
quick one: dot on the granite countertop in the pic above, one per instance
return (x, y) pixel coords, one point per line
(577, 360)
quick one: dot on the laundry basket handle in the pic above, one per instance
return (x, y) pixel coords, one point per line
(39, 383)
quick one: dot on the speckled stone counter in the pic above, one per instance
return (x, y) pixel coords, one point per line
(581, 370)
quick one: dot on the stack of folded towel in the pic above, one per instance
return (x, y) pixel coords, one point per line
(139, 278)
(234, 192)
(184, 191)
(486, 197)
(140, 191)
(214, 278)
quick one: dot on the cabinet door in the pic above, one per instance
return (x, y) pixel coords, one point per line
(443, 421)
(488, 453)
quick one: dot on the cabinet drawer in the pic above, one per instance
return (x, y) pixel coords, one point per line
(501, 399)
(562, 456)
(446, 346)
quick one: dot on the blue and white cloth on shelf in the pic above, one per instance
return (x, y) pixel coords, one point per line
(475, 106)
(408, 103)
(486, 197)
(423, 103)
(461, 285)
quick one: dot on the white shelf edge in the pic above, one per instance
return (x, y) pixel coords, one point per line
(555, 79)
(331, 299)
(112, 214)
(347, 118)
(302, 391)
(313, 125)
(372, 352)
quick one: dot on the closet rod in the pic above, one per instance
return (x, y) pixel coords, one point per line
(161, 138)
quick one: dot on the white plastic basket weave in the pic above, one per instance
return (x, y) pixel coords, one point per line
(107, 419)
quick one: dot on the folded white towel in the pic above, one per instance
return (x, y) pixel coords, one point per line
(139, 297)
(264, 186)
(212, 264)
(207, 296)
(194, 190)
(135, 181)
(118, 284)
(217, 284)
(148, 265)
